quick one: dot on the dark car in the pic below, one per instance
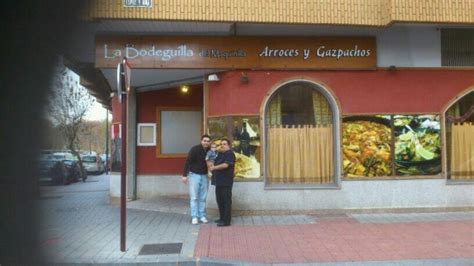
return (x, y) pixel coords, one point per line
(74, 170)
(53, 170)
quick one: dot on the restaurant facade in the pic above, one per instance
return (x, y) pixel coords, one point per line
(337, 115)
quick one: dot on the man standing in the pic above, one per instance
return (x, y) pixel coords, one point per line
(195, 174)
(223, 179)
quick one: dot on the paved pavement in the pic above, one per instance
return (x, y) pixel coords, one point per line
(79, 225)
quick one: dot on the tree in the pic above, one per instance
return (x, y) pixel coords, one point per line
(51, 137)
(93, 136)
(68, 105)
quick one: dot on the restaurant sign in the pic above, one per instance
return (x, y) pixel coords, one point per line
(238, 52)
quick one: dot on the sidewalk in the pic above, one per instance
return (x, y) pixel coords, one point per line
(80, 226)
(339, 240)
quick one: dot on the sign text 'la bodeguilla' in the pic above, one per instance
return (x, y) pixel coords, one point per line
(183, 51)
(237, 52)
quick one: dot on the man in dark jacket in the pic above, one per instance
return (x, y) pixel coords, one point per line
(223, 179)
(195, 174)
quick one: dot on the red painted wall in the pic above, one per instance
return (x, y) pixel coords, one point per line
(369, 92)
(147, 162)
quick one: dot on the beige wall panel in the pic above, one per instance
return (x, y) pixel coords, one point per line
(335, 12)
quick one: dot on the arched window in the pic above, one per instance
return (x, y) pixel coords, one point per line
(460, 138)
(300, 130)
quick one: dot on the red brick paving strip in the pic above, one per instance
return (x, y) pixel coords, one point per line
(337, 242)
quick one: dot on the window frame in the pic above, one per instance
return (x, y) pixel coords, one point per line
(139, 129)
(446, 174)
(228, 118)
(442, 135)
(452, 41)
(159, 109)
(336, 120)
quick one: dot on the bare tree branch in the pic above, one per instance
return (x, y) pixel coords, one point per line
(68, 106)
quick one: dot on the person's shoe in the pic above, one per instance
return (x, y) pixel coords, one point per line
(222, 224)
(204, 220)
(194, 221)
(218, 221)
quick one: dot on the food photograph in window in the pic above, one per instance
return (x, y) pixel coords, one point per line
(417, 145)
(244, 132)
(366, 146)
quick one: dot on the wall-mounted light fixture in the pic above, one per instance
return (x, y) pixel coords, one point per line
(184, 88)
(244, 78)
(213, 77)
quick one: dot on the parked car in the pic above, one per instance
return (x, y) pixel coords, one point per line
(93, 163)
(53, 170)
(75, 172)
(106, 161)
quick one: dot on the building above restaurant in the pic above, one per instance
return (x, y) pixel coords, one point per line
(376, 13)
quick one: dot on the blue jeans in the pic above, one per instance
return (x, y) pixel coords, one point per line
(198, 186)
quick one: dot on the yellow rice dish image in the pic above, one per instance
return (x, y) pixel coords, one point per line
(366, 149)
(247, 167)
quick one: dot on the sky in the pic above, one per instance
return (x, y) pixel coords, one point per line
(96, 112)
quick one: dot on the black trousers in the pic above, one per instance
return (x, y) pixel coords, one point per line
(224, 202)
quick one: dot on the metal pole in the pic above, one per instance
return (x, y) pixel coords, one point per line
(123, 168)
(106, 141)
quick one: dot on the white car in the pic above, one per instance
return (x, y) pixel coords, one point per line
(93, 163)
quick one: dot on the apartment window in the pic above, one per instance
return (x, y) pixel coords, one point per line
(457, 47)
